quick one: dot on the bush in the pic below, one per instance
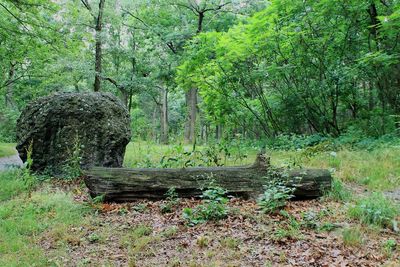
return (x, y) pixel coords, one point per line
(275, 196)
(375, 209)
(213, 208)
(288, 142)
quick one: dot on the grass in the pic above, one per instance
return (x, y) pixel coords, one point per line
(10, 184)
(7, 149)
(352, 237)
(24, 218)
(378, 169)
(144, 154)
(375, 209)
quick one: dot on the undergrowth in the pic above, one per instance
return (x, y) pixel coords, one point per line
(213, 208)
(375, 209)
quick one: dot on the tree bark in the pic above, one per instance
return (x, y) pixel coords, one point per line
(98, 52)
(164, 116)
(121, 184)
(190, 129)
(9, 97)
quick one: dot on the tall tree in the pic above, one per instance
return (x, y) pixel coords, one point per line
(98, 26)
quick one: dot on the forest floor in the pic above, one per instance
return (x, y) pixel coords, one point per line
(58, 224)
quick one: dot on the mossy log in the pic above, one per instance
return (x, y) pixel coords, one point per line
(124, 184)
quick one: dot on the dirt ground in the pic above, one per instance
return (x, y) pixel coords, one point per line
(139, 234)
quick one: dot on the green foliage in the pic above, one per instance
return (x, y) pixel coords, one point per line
(389, 246)
(8, 121)
(149, 155)
(338, 191)
(352, 237)
(275, 196)
(230, 242)
(213, 207)
(11, 184)
(72, 167)
(375, 209)
(172, 201)
(289, 229)
(22, 221)
(7, 149)
(141, 230)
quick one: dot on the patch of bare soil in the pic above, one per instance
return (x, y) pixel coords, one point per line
(138, 234)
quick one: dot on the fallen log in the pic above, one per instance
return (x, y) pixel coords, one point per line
(124, 184)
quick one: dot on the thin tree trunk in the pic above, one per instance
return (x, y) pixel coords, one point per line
(164, 116)
(9, 97)
(98, 56)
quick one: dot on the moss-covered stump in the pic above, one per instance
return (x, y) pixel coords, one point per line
(92, 126)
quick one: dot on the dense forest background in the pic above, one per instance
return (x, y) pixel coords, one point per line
(203, 70)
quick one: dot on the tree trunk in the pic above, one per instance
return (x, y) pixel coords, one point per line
(9, 97)
(164, 116)
(121, 184)
(190, 129)
(98, 56)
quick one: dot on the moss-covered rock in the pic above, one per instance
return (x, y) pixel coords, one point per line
(96, 124)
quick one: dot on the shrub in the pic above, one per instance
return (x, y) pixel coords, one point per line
(213, 207)
(275, 196)
(375, 209)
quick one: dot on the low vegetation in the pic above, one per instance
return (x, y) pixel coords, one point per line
(43, 220)
(375, 209)
(7, 149)
(213, 208)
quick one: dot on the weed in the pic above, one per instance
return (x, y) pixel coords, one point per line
(141, 230)
(275, 196)
(389, 246)
(213, 207)
(352, 237)
(338, 192)
(95, 202)
(290, 229)
(202, 241)
(170, 232)
(327, 227)
(93, 238)
(172, 200)
(229, 242)
(375, 209)
(25, 174)
(142, 207)
(72, 166)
